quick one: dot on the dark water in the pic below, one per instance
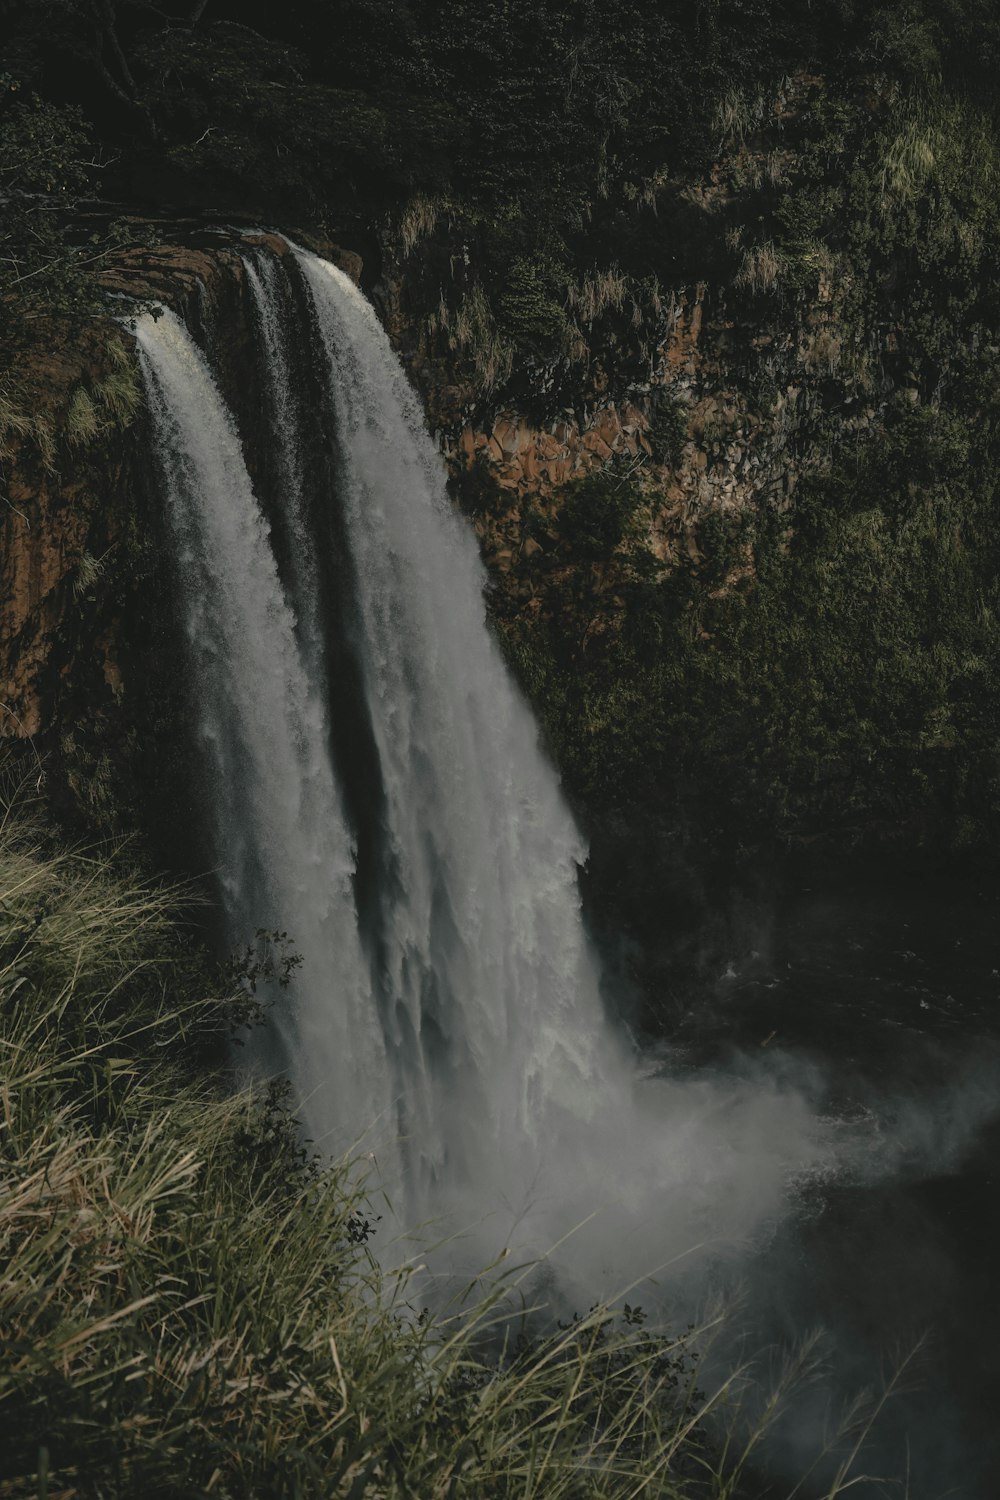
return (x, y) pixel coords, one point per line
(889, 1001)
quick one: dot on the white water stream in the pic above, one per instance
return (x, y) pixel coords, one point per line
(466, 1041)
(285, 857)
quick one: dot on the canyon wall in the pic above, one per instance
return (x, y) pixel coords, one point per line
(692, 490)
(82, 573)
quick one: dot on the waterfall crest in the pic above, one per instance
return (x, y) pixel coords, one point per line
(449, 1006)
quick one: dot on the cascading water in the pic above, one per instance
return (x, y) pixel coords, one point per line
(486, 987)
(283, 849)
(457, 1019)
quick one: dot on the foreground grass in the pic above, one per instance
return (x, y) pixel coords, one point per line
(188, 1307)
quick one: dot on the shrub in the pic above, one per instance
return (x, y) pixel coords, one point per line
(530, 307)
(473, 331)
(597, 515)
(668, 427)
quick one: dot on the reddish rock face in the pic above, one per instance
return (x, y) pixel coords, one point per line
(69, 583)
(66, 506)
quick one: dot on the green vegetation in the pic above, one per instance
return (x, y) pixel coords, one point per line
(829, 672)
(821, 670)
(48, 162)
(551, 141)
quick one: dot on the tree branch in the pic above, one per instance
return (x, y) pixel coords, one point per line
(111, 35)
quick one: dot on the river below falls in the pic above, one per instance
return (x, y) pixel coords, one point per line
(892, 996)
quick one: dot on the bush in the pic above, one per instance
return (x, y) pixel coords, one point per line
(530, 308)
(597, 515)
(668, 428)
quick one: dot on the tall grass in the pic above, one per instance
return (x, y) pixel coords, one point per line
(596, 293)
(189, 1307)
(738, 113)
(473, 331)
(419, 219)
(18, 422)
(82, 421)
(760, 269)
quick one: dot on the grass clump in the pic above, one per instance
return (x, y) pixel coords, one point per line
(120, 392)
(113, 402)
(760, 269)
(738, 114)
(419, 219)
(17, 424)
(82, 421)
(473, 332)
(596, 293)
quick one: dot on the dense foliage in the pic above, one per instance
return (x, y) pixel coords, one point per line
(554, 147)
(823, 666)
(558, 140)
(835, 679)
(549, 129)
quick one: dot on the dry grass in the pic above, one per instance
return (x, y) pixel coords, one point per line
(738, 114)
(82, 421)
(15, 422)
(760, 270)
(598, 293)
(88, 571)
(120, 393)
(187, 1309)
(18, 424)
(909, 161)
(473, 332)
(419, 220)
(610, 291)
(646, 192)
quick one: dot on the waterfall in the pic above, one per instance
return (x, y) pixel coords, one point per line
(284, 853)
(485, 983)
(396, 813)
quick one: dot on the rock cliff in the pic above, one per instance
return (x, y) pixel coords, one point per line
(668, 474)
